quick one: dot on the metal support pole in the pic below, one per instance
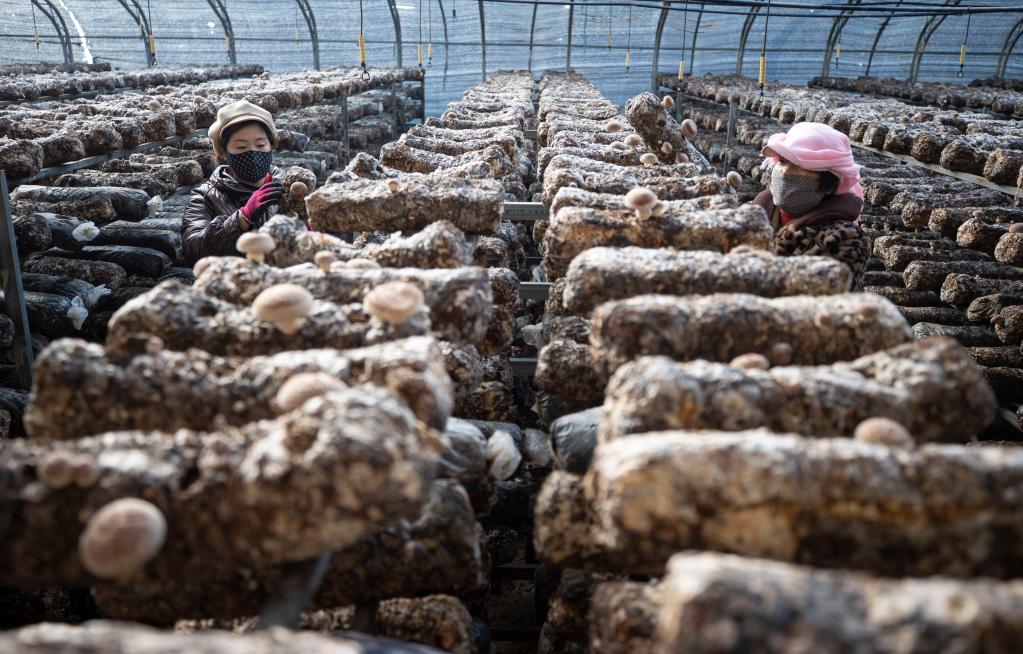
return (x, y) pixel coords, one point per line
(394, 110)
(532, 30)
(345, 129)
(656, 59)
(14, 293)
(730, 134)
(571, 19)
(422, 101)
(483, 41)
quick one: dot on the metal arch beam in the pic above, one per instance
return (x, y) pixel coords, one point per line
(444, 22)
(747, 27)
(314, 35)
(932, 24)
(662, 18)
(143, 24)
(532, 30)
(835, 34)
(396, 19)
(483, 40)
(59, 26)
(220, 9)
(568, 50)
(877, 39)
(696, 32)
(1011, 39)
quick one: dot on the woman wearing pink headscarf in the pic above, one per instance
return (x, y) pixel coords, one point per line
(814, 200)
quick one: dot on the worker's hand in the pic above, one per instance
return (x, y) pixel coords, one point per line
(256, 208)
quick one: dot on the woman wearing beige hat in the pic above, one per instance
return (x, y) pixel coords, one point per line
(241, 194)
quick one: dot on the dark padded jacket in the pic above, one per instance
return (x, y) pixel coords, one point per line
(213, 220)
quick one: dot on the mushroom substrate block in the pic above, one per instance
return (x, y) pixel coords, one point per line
(602, 274)
(812, 330)
(576, 229)
(79, 390)
(353, 458)
(933, 387)
(459, 299)
(787, 498)
(825, 610)
(365, 205)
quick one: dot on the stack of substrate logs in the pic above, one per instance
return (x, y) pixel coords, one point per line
(91, 238)
(944, 250)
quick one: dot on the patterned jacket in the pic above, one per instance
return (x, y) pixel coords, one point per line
(829, 229)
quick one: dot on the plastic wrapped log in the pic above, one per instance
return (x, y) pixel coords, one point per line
(130, 204)
(566, 625)
(464, 367)
(186, 171)
(1008, 325)
(979, 235)
(967, 335)
(1006, 356)
(624, 617)
(960, 155)
(20, 158)
(599, 275)
(889, 507)
(905, 297)
(400, 156)
(96, 273)
(960, 290)
(32, 233)
(103, 637)
(569, 196)
(931, 275)
(658, 127)
(455, 147)
(504, 286)
(163, 241)
(473, 206)
(152, 184)
(940, 315)
(436, 551)
(916, 208)
(247, 480)
(932, 387)
(595, 151)
(79, 390)
(986, 307)
(946, 221)
(1010, 249)
(97, 210)
(826, 611)
(669, 182)
(459, 299)
(143, 262)
(500, 332)
(183, 317)
(1003, 166)
(1007, 383)
(882, 278)
(897, 257)
(574, 230)
(810, 330)
(565, 368)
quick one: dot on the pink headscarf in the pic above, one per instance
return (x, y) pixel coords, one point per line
(815, 146)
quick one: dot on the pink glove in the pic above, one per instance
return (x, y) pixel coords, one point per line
(259, 202)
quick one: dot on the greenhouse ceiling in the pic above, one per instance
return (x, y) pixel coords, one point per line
(620, 45)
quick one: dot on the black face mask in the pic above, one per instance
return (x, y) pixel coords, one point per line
(251, 165)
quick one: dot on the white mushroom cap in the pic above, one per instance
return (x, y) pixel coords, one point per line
(648, 159)
(634, 141)
(681, 157)
(733, 179)
(56, 469)
(121, 537)
(284, 305)
(614, 126)
(324, 259)
(201, 265)
(392, 185)
(659, 208)
(751, 361)
(154, 104)
(362, 263)
(668, 102)
(255, 245)
(304, 386)
(618, 145)
(642, 200)
(1016, 228)
(781, 354)
(298, 189)
(688, 128)
(393, 302)
(883, 431)
(667, 148)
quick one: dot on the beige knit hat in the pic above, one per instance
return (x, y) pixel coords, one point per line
(240, 111)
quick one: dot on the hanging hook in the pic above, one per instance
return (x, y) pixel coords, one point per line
(962, 49)
(362, 47)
